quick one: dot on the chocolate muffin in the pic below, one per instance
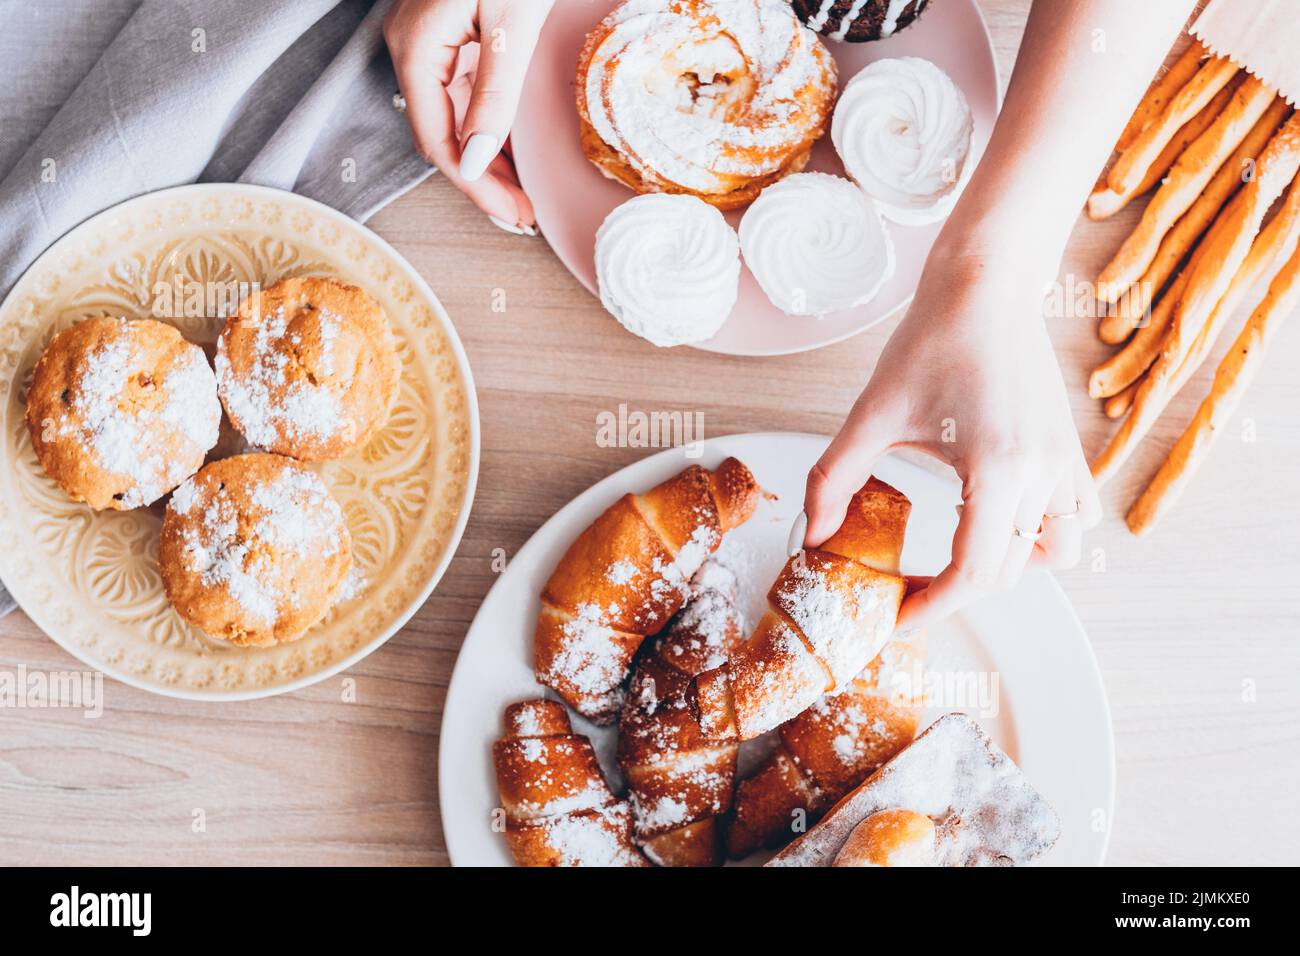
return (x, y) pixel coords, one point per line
(858, 20)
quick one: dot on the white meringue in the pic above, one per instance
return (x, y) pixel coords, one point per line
(903, 130)
(668, 268)
(816, 244)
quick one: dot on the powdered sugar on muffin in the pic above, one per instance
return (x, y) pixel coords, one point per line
(307, 368)
(254, 549)
(120, 412)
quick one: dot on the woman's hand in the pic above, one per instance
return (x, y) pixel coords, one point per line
(425, 38)
(970, 377)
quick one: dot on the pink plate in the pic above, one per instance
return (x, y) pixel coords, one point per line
(572, 198)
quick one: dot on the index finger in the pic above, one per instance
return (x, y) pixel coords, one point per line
(979, 546)
(425, 68)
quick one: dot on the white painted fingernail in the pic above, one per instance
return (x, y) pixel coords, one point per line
(478, 153)
(519, 229)
(798, 531)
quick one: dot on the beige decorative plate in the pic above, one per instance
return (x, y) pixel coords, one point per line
(90, 579)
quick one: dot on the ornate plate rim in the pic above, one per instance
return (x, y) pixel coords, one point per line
(422, 287)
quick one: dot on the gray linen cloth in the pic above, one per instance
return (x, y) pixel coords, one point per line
(129, 96)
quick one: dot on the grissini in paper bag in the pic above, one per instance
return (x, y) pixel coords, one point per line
(951, 798)
(1259, 35)
(829, 613)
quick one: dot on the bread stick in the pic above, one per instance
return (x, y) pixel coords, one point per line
(1117, 325)
(1132, 166)
(1229, 240)
(1117, 405)
(1119, 320)
(1165, 87)
(1231, 380)
(1127, 365)
(1105, 202)
(1173, 366)
(1186, 181)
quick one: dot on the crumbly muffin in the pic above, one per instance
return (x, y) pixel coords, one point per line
(308, 368)
(858, 20)
(121, 412)
(254, 550)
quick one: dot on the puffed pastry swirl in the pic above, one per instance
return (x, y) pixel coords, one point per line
(715, 98)
(668, 268)
(816, 244)
(903, 130)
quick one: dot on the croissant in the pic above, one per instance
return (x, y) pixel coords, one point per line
(829, 613)
(626, 575)
(558, 809)
(680, 781)
(829, 749)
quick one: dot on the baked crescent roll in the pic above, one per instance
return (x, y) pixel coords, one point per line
(829, 749)
(829, 613)
(626, 575)
(681, 782)
(558, 809)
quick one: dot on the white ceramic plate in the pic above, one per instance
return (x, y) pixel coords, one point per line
(90, 579)
(1051, 714)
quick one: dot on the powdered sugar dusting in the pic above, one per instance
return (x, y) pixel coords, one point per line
(293, 512)
(986, 811)
(857, 727)
(329, 324)
(708, 625)
(590, 660)
(266, 402)
(527, 722)
(118, 420)
(835, 619)
(592, 839)
(621, 572)
(666, 813)
(767, 696)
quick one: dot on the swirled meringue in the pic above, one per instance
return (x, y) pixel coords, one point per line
(668, 268)
(903, 130)
(816, 244)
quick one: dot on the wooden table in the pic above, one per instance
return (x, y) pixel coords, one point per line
(1196, 627)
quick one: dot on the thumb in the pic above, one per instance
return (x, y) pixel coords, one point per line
(843, 469)
(508, 35)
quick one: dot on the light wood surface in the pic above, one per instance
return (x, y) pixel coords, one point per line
(1195, 627)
